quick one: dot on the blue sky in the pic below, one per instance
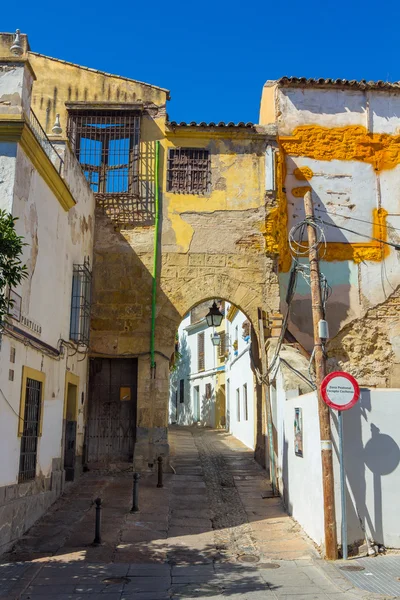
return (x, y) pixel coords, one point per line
(215, 57)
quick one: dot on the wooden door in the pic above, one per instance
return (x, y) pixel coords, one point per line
(112, 409)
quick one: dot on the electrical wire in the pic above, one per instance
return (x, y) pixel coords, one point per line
(396, 246)
(308, 381)
(14, 411)
(355, 219)
(297, 247)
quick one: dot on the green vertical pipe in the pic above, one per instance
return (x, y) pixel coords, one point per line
(155, 256)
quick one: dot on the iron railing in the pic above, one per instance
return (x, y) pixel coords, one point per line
(44, 141)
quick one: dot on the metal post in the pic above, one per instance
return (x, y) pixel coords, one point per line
(135, 502)
(320, 372)
(97, 531)
(342, 486)
(160, 472)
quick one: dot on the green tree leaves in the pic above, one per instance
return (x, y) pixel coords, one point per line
(12, 271)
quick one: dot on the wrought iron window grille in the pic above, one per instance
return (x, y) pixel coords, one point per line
(80, 303)
(188, 171)
(30, 433)
(107, 145)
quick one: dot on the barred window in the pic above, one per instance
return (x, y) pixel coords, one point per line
(106, 143)
(200, 351)
(80, 304)
(188, 171)
(208, 391)
(30, 430)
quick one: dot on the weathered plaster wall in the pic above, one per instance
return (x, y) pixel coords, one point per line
(376, 339)
(343, 145)
(59, 82)
(8, 155)
(55, 239)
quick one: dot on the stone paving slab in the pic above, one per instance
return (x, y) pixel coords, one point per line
(185, 542)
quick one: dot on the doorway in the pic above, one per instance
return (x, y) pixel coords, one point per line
(112, 409)
(71, 416)
(196, 403)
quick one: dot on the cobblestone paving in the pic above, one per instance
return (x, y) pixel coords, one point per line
(184, 542)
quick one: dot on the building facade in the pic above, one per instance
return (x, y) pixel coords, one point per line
(240, 380)
(180, 219)
(214, 385)
(339, 139)
(195, 389)
(44, 340)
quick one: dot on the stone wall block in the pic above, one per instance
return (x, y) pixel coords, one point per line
(196, 260)
(215, 260)
(169, 272)
(178, 260)
(188, 272)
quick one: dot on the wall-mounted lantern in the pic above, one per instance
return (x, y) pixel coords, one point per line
(214, 316)
(215, 338)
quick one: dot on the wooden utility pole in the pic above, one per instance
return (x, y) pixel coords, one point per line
(320, 372)
(266, 397)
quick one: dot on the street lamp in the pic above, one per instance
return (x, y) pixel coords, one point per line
(215, 338)
(214, 316)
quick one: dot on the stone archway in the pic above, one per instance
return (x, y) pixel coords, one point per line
(242, 281)
(210, 246)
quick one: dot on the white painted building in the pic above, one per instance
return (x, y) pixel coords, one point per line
(194, 382)
(43, 361)
(214, 385)
(240, 384)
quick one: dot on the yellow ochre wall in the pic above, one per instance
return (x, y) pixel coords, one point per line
(59, 82)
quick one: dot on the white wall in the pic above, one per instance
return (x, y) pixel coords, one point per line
(239, 373)
(55, 240)
(302, 476)
(372, 465)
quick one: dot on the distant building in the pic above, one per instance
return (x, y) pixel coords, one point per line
(240, 383)
(214, 385)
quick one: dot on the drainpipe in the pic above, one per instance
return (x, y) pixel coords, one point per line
(155, 260)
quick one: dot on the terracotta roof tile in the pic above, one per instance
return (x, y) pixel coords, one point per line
(362, 84)
(241, 124)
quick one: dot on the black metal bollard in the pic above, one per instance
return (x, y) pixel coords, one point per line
(160, 472)
(135, 502)
(97, 531)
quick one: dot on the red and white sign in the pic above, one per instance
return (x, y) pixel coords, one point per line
(340, 390)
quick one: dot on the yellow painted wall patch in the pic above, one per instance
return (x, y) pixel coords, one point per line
(353, 142)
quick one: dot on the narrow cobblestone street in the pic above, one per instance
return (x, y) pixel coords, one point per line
(208, 533)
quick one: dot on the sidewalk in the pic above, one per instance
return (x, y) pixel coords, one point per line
(208, 533)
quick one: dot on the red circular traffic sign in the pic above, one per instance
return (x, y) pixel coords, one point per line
(340, 390)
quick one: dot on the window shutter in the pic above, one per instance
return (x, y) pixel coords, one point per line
(222, 344)
(200, 351)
